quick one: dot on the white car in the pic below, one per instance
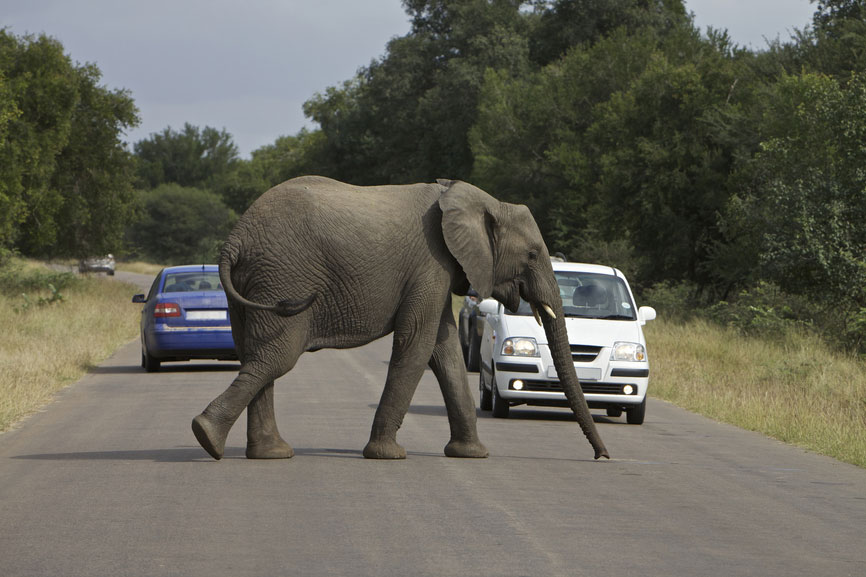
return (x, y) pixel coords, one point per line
(607, 345)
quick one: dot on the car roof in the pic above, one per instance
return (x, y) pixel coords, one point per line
(191, 268)
(585, 267)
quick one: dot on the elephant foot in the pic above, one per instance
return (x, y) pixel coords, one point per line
(275, 448)
(384, 449)
(466, 450)
(210, 435)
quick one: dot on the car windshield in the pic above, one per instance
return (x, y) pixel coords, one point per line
(192, 281)
(590, 295)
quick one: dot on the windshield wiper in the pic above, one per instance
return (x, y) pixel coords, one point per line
(616, 318)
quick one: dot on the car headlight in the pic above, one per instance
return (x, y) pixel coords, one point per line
(520, 347)
(628, 352)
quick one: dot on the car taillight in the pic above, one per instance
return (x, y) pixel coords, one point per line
(162, 310)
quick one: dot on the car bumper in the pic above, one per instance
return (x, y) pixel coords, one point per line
(165, 342)
(615, 384)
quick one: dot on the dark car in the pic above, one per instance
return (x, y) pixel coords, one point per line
(185, 317)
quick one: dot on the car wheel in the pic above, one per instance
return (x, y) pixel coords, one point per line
(636, 415)
(150, 364)
(473, 351)
(486, 397)
(500, 405)
(614, 411)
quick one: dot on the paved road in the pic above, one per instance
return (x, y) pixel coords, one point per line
(109, 481)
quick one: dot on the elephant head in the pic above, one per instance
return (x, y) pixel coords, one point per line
(503, 255)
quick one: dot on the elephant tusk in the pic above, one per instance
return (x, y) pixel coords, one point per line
(535, 312)
(549, 311)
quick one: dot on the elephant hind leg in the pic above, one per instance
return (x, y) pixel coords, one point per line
(263, 437)
(252, 387)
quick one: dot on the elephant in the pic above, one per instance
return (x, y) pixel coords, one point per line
(316, 263)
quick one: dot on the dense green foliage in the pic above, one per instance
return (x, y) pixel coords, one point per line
(180, 225)
(65, 176)
(718, 177)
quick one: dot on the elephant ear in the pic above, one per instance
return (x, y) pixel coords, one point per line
(468, 224)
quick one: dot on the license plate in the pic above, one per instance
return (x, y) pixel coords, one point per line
(583, 374)
(206, 315)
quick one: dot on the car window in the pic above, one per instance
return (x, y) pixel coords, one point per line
(192, 281)
(154, 288)
(590, 295)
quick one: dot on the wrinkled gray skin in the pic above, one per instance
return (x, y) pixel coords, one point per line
(315, 263)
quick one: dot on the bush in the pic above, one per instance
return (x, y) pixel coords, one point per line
(672, 300)
(762, 310)
(17, 277)
(180, 225)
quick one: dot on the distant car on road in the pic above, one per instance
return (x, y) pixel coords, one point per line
(185, 316)
(97, 264)
(607, 346)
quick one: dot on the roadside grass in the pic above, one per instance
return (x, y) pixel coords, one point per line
(793, 388)
(52, 336)
(139, 267)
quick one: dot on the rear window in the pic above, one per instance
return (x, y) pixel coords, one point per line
(192, 281)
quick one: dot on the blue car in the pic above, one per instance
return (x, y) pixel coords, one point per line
(185, 316)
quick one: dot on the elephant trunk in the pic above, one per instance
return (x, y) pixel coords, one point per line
(557, 339)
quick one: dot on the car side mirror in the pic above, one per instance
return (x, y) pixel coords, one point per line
(139, 299)
(488, 306)
(646, 314)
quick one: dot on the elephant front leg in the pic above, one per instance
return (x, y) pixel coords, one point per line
(410, 350)
(263, 437)
(447, 364)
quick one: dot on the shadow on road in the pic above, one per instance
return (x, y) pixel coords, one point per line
(196, 368)
(177, 455)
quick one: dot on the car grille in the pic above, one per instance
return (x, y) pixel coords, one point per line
(584, 353)
(587, 387)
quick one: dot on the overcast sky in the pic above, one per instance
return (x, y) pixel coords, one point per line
(248, 67)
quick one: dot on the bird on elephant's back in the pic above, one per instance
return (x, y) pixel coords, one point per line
(316, 263)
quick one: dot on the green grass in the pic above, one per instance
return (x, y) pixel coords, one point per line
(793, 388)
(50, 338)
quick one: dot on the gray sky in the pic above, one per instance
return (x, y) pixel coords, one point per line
(248, 67)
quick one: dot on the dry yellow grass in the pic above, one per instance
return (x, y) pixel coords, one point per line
(45, 348)
(139, 267)
(794, 389)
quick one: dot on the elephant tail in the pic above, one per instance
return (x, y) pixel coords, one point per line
(286, 308)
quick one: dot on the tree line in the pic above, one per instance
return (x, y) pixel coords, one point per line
(730, 176)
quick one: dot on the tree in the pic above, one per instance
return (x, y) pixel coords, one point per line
(192, 157)
(805, 204)
(95, 171)
(180, 225)
(65, 181)
(406, 117)
(40, 81)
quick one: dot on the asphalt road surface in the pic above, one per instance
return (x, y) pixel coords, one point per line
(108, 480)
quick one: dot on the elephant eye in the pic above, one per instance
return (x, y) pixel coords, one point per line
(533, 255)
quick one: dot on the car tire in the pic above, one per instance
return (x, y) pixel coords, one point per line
(149, 363)
(485, 395)
(500, 406)
(636, 415)
(473, 351)
(614, 412)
